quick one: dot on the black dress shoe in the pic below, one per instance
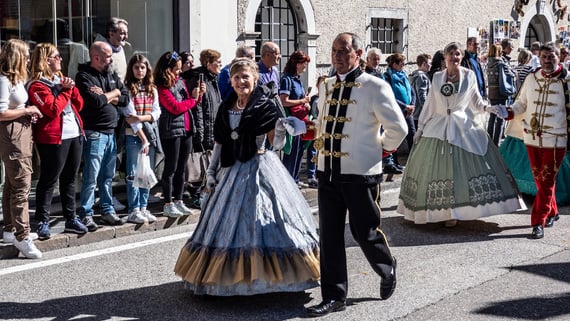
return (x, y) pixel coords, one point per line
(326, 307)
(392, 169)
(537, 232)
(388, 285)
(550, 220)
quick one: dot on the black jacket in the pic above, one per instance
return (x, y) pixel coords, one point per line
(259, 117)
(169, 125)
(204, 115)
(97, 114)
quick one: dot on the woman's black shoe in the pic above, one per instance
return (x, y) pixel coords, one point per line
(326, 307)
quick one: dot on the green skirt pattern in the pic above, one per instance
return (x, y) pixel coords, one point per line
(444, 182)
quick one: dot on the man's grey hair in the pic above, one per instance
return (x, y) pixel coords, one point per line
(373, 51)
(356, 42)
(245, 51)
(113, 24)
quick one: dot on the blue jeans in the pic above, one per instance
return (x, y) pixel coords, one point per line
(311, 167)
(293, 161)
(99, 160)
(137, 197)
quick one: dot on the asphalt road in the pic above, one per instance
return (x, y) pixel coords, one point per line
(480, 270)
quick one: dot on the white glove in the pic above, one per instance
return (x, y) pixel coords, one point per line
(418, 135)
(293, 125)
(499, 110)
(279, 138)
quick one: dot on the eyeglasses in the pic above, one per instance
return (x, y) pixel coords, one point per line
(58, 56)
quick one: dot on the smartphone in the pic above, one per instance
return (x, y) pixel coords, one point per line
(201, 78)
(309, 90)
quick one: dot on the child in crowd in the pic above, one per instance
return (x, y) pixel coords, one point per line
(141, 115)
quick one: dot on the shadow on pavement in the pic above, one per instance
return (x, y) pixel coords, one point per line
(163, 302)
(526, 309)
(405, 233)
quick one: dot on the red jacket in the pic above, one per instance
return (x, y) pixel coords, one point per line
(48, 129)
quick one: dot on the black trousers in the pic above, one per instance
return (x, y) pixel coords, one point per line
(176, 153)
(58, 162)
(361, 201)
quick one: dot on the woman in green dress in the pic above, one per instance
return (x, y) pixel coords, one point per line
(454, 171)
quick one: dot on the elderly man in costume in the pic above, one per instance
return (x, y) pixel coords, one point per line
(350, 147)
(542, 110)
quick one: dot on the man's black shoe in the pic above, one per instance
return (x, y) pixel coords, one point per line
(388, 285)
(326, 307)
(550, 220)
(537, 232)
(392, 169)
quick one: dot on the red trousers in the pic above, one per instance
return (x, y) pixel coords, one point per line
(544, 163)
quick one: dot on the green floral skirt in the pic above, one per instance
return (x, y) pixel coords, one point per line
(444, 182)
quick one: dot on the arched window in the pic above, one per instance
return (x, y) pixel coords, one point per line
(531, 36)
(276, 22)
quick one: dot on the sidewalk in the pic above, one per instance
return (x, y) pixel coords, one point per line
(60, 240)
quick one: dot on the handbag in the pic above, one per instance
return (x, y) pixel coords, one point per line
(507, 86)
(197, 165)
(299, 111)
(144, 175)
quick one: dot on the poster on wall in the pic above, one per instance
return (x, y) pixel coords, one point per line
(483, 39)
(503, 28)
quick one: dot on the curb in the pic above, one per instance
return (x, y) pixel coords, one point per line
(105, 232)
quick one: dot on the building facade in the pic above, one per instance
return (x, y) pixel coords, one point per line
(411, 27)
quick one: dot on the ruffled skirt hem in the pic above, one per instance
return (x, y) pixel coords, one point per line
(212, 272)
(463, 213)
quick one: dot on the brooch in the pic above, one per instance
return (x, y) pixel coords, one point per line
(234, 135)
(447, 89)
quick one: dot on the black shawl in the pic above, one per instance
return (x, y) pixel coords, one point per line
(258, 117)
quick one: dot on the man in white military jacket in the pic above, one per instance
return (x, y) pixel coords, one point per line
(353, 107)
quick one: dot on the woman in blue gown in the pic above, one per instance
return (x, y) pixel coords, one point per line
(256, 233)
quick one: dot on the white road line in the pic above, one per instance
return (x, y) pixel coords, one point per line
(81, 256)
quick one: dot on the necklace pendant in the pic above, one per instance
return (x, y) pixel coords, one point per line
(447, 89)
(234, 135)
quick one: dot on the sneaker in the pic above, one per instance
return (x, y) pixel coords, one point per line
(313, 183)
(153, 199)
(111, 219)
(118, 205)
(90, 223)
(136, 217)
(9, 237)
(171, 210)
(392, 169)
(75, 226)
(43, 230)
(28, 248)
(148, 215)
(183, 208)
(302, 185)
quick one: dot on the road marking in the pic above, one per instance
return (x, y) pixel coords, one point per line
(81, 256)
